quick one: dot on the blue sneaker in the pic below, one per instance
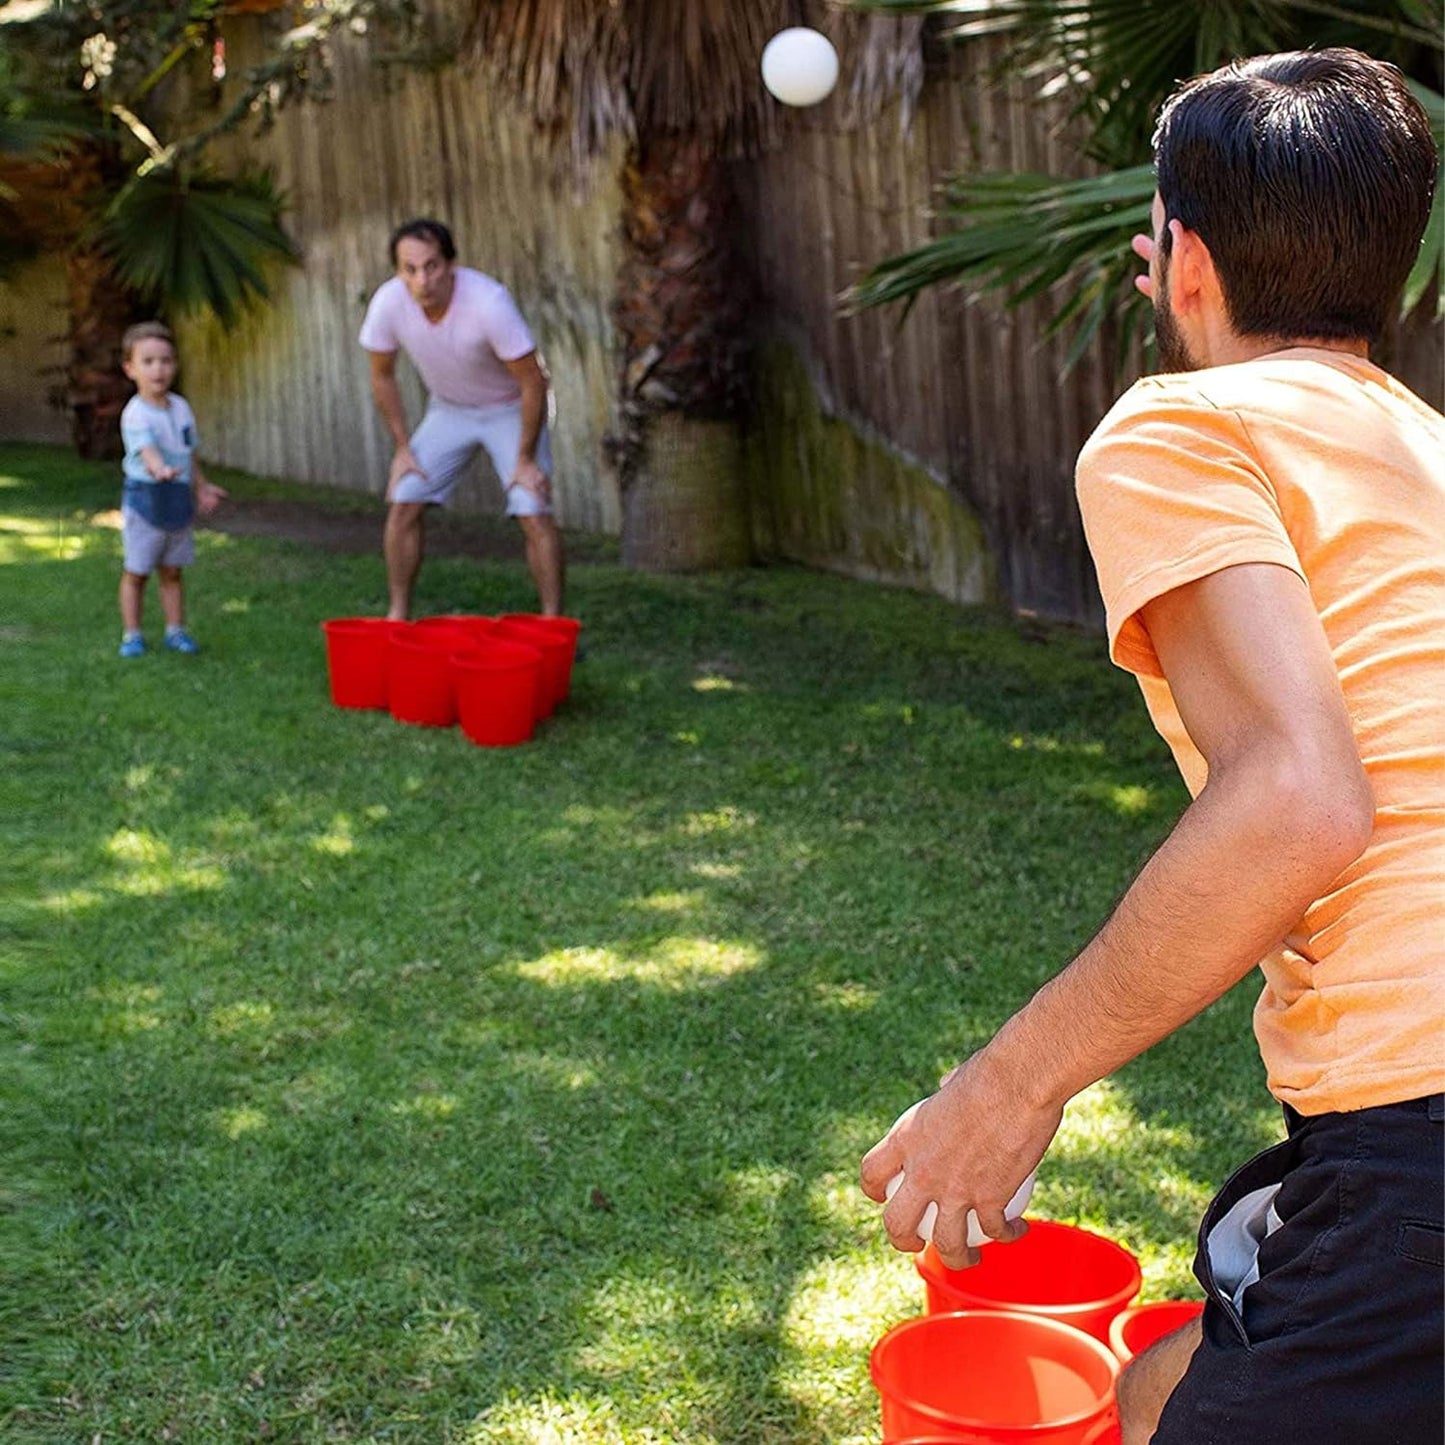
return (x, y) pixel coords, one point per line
(179, 640)
(133, 646)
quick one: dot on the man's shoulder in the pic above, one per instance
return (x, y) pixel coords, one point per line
(1172, 395)
(480, 290)
(389, 294)
(1266, 386)
(479, 281)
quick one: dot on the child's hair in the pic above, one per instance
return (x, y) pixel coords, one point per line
(144, 331)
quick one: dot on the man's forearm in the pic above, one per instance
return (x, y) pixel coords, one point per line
(534, 413)
(1234, 877)
(387, 394)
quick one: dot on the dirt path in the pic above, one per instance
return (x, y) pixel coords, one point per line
(448, 534)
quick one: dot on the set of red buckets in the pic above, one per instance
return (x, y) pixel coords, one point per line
(1025, 1348)
(496, 676)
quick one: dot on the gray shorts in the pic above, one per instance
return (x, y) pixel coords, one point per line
(446, 441)
(147, 546)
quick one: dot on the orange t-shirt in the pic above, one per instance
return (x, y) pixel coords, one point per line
(1324, 464)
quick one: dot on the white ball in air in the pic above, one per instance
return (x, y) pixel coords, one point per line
(800, 66)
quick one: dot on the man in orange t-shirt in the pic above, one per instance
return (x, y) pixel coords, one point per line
(1268, 524)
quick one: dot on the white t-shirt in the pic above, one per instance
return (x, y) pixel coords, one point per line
(170, 429)
(461, 357)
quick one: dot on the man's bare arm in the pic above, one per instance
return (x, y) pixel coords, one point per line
(533, 381)
(1286, 808)
(387, 393)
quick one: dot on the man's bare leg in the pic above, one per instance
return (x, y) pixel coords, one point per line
(1150, 1380)
(546, 561)
(402, 545)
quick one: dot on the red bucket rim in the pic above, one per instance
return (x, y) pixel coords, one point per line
(935, 1272)
(545, 637)
(491, 655)
(1186, 1309)
(1076, 1337)
(573, 624)
(431, 647)
(342, 624)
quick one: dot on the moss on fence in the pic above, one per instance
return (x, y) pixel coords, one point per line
(824, 492)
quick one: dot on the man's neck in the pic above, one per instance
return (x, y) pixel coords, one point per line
(1227, 348)
(438, 308)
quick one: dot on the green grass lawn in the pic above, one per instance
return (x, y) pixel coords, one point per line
(360, 1084)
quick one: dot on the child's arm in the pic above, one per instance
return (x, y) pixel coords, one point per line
(207, 494)
(155, 464)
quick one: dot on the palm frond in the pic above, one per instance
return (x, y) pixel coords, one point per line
(1117, 60)
(1430, 264)
(197, 242)
(589, 70)
(1024, 235)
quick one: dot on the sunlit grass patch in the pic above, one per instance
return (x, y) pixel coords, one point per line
(245, 1119)
(721, 820)
(1126, 799)
(365, 1085)
(550, 1420)
(673, 962)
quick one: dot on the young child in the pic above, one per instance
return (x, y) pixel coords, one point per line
(164, 486)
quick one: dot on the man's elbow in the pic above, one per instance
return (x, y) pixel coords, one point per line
(1332, 807)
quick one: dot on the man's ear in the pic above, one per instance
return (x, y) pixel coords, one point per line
(1191, 269)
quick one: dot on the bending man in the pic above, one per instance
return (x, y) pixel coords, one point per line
(486, 388)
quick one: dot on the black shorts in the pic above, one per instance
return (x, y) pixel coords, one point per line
(1341, 1340)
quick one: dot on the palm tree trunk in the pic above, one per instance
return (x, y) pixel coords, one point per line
(100, 309)
(680, 309)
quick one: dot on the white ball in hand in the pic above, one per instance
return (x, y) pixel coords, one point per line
(976, 1236)
(800, 66)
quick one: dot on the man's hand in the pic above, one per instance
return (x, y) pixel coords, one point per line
(531, 478)
(969, 1146)
(208, 497)
(402, 463)
(1143, 247)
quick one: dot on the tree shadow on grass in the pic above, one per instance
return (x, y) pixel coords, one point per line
(408, 1091)
(492, 1147)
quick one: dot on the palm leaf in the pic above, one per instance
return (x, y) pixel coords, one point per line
(1118, 60)
(1430, 263)
(198, 242)
(1025, 234)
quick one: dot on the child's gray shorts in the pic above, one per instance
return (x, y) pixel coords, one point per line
(147, 546)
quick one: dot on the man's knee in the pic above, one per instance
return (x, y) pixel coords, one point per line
(538, 526)
(405, 516)
(1148, 1382)
(169, 575)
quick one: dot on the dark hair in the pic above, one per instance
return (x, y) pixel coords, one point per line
(144, 331)
(1309, 176)
(424, 229)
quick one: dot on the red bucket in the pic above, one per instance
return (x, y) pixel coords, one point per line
(497, 683)
(1057, 1270)
(992, 1377)
(356, 659)
(1133, 1330)
(420, 675)
(557, 637)
(469, 624)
